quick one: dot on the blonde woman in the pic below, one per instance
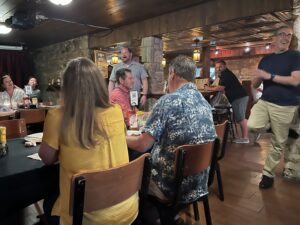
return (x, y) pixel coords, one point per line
(86, 133)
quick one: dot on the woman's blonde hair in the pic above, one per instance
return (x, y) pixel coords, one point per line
(83, 90)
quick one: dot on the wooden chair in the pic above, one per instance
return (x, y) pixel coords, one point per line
(96, 190)
(190, 160)
(226, 116)
(222, 132)
(14, 128)
(34, 119)
(32, 116)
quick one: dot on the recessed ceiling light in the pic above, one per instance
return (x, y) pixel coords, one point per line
(247, 49)
(4, 29)
(61, 2)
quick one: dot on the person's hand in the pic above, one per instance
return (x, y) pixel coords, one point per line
(143, 100)
(262, 74)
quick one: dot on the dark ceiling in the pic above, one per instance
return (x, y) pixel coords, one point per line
(104, 13)
(252, 31)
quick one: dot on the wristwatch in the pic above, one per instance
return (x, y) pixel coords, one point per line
(272, 76)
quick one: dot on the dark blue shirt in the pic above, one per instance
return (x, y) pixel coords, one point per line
(182, 117)
(233, 88)
(282, 64)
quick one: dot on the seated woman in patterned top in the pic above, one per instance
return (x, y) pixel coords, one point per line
(12, 95)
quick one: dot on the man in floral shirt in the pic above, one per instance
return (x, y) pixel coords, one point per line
(181, 117)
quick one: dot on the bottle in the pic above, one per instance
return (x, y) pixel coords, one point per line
(133, 120)
(26, 102)
(3, 144)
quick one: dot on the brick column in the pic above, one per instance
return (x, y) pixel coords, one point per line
(151, 51)
(296, 14)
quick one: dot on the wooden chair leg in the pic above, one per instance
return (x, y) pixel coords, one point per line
(220, 184)
(207, 211)
(196, 211)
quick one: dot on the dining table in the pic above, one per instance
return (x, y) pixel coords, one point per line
(24, 181)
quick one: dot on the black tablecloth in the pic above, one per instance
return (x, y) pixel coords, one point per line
(24, 181)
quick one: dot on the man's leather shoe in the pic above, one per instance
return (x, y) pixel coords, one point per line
(266, 182)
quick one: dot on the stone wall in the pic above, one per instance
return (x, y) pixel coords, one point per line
(50, 61)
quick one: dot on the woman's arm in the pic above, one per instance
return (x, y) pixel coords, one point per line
(48, 154)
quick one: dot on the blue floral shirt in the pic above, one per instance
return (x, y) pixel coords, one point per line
(182, 117)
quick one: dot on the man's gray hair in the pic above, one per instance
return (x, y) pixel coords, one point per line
(184, 67)
(275, 32)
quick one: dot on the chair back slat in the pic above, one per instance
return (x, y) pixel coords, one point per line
(222, 133)
(14, 128)
(197, 157)
(193, 159)
(32, 116)
(108, 187)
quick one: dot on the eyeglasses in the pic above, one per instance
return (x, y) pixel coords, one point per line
(284, 35)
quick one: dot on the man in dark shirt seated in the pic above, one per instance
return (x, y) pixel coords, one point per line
(181, 117)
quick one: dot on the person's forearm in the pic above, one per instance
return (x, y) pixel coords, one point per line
(145, 86)
(256, 82)
(134, 143)
(141, 143)
(286, 80)
(215, 88)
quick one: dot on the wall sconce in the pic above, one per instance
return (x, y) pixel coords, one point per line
(268, 46)
(163, 62)
(217, 52)
(114, 58)
(196, 52)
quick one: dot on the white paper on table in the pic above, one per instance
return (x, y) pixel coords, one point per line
(34, 156)
(36, 137)
(133, 132)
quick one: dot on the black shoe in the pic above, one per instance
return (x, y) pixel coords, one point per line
(266, 182)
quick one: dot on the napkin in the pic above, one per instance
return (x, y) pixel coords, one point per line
(34, 156)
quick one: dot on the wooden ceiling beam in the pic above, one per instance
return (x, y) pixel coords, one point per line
(202, 15)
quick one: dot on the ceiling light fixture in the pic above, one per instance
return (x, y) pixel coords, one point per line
(247, 49)
(11, 47)
(61, 2)
(217, 52)
(114, 58)
(196, 52)
(4, 29)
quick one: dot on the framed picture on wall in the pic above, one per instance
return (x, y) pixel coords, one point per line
(101, 62)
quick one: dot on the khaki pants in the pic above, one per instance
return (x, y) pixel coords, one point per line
(280, 119)
(292, 155)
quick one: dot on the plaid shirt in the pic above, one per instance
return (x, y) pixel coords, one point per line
(120, 95)
(182, 117)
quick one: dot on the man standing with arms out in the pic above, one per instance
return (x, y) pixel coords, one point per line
(280, 74)
(138, 71)
(236, 95)
(181, 117)
(120, 94)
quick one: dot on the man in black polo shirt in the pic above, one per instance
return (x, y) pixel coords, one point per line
(236, 95)
(280, 74)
